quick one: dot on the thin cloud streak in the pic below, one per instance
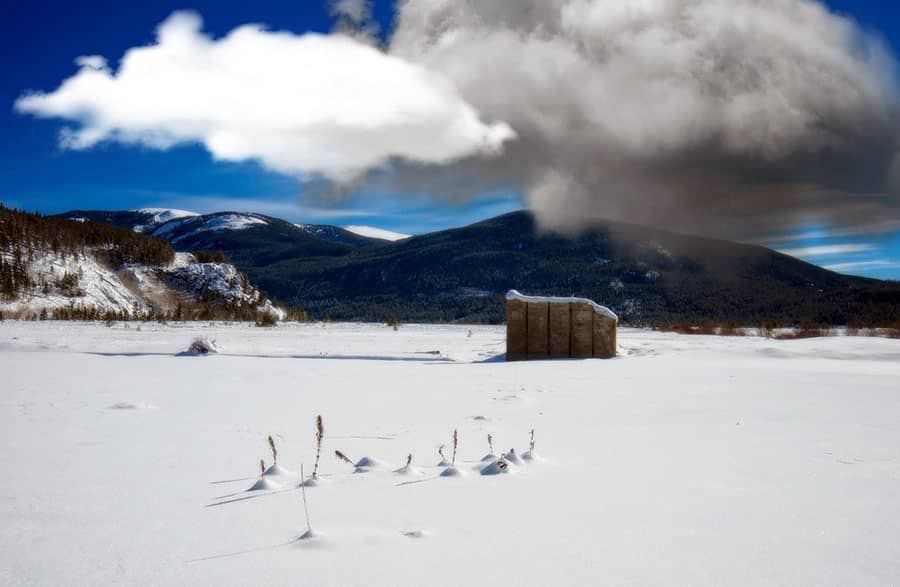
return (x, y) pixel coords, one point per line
(874, 228)
(863, 265)
(825, 250)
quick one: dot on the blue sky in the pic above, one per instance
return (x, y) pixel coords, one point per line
(39, 40)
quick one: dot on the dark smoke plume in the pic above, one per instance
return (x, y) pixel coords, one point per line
(724, 117)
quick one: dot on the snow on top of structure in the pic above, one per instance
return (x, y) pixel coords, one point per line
(379, 233)
(602, 310)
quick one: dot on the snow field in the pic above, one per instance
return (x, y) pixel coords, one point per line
(687, 460)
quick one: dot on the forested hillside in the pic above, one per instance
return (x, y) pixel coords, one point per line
(52, 267)
(22, 234)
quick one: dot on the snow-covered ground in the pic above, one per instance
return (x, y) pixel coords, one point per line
(688, 460)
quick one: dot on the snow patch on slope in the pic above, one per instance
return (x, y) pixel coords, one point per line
(230, 221)
(160, 216)
(378, 233)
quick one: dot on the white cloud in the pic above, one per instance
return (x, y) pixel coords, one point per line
(301, 105)
(97, 62)
(825, 250)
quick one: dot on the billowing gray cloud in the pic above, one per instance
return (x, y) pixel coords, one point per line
(730, 117)
(354, 18)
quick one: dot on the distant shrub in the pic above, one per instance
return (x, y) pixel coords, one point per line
(211, 257)
(266, 319)
(203, 346)
(394, 322)
(295, 314)
(806, 330)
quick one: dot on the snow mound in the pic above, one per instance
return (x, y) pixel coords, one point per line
(203, 346)
(489, 458)
(512, 458)
(277, 471)
(530, 457)
(366, 464)
(264, 484)
(452, 472)
(498, 467)
(377, 233)
(311, 482)
(408, 470)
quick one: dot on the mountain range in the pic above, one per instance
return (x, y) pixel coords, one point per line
(647, 275)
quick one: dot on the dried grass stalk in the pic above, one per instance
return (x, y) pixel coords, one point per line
(455, 444)
(491, 444)
(262, 468)
(305, 505)
(531, 444)
(409, 459)
(274, 450)
(441, 452)
(344, 457)
(320, 434)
